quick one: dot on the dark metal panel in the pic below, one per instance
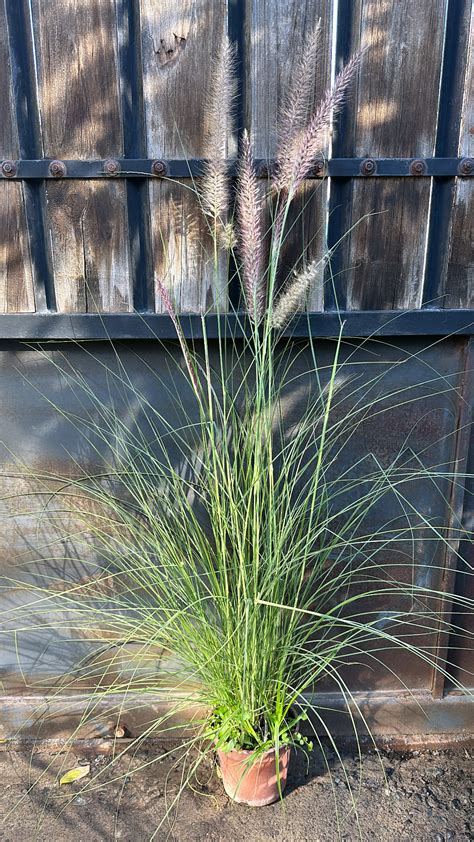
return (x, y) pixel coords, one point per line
(133, 116)
(335, 297)
(146, 326)
(26, 104)
(236, 22)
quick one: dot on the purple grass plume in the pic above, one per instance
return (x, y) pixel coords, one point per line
(249, 213)
(302, 147)
(214, 188)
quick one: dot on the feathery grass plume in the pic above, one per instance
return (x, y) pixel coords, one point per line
(218, 114)
(305, 145)
(179, 332)
(297, 100)
(295, 292)
(250, 233)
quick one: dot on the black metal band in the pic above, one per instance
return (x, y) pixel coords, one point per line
(65, 326)
(46, 168)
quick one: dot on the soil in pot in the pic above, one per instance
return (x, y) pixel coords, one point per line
(254, 783)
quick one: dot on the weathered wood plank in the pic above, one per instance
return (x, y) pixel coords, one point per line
(16, 279)
(76, 51)
(275, 38)
(90, 254)
(8, 130)
(391, 113)
(459, 282)
(178, 42)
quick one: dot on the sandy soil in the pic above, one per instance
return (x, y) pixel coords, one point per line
(425, 797)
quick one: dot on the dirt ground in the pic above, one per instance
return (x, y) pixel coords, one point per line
(423, 797)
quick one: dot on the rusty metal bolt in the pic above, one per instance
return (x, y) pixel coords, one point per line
(9, 169)
(466, 166)
(417, 167)
(111, 166)
(57, 169)
(319, 168)
(158, 168)
(368, 166)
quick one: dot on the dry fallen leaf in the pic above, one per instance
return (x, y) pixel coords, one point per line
(75, 774)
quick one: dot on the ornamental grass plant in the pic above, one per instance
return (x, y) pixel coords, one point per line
(242, 541)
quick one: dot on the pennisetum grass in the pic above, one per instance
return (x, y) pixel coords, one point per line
(254, 552)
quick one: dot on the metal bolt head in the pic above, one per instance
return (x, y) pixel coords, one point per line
(8, 169)
(57, 169)
(368, 166)
(111, 166)
(466, 166)
(417, 167)
(319, 168)
(158, 168)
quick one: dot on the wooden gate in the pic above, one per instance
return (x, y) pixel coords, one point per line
(102, 107)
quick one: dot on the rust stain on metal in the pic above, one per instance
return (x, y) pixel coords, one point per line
(158, 168)
(466, 166)
(111, 166)
(319, 168)
(418, 167)
(368, 167)
(8, 169)
(57, 169)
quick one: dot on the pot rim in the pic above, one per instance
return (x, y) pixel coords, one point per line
(249, 751)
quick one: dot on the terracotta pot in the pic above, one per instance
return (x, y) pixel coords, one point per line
(253, 783)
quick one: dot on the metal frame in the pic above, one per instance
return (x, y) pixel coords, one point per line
(131, 168)
(103, 326)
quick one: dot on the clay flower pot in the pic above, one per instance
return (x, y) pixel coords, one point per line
(253, 783)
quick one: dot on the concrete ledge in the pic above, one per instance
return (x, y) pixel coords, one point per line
(399, 719)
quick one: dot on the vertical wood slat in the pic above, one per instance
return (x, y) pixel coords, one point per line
(76, 53)
(277, 29)
(178, 43)
(390, 113)
(16, 281)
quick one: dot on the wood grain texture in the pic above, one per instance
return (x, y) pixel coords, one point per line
(16, 279)
(8, 131)
(275, 37)
(392, 112)
(459, 281)
(178, 42)
(90, 254)
(76, 53)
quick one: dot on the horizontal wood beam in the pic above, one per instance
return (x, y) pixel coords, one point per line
(103, 326)
(47, 168)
